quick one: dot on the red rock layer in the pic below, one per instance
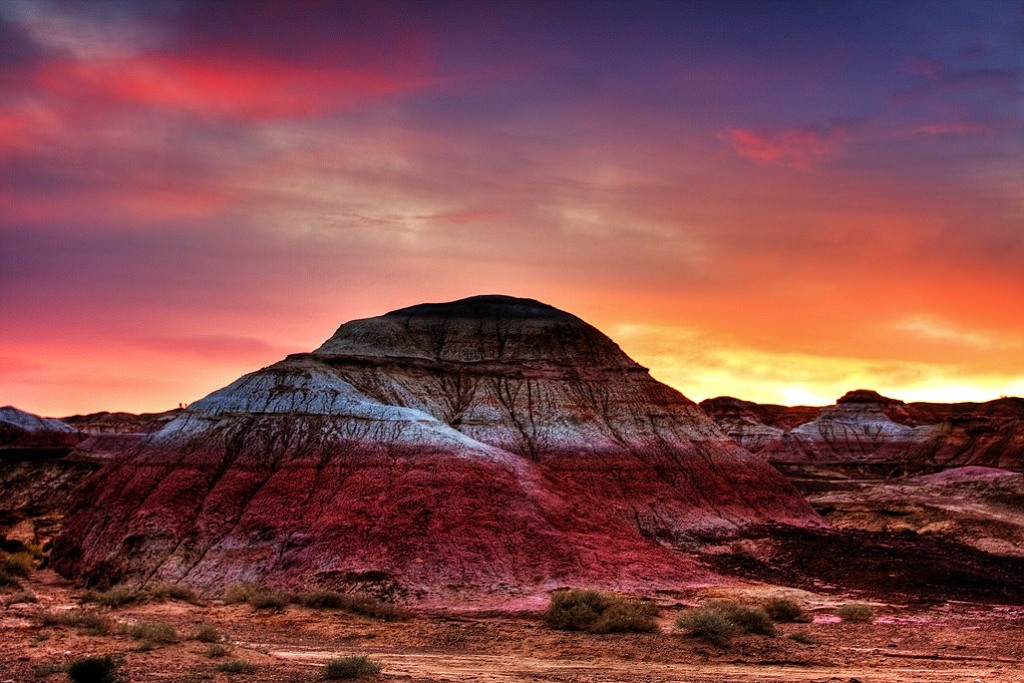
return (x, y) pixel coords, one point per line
(486, 446)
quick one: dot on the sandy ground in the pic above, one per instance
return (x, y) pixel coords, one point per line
(950, 642)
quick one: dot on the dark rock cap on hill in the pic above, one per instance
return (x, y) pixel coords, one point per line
(491, 446)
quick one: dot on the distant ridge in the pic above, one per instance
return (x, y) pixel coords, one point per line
(864, 426)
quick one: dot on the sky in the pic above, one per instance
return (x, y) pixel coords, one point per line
(779, 201)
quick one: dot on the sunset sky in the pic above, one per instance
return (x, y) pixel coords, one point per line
(779, 201)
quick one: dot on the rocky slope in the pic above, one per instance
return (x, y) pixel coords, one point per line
(876, 464)
(27, 433)
(37, 476)
(865, 427)
(489, 445)
(981, 507)
(106, 435)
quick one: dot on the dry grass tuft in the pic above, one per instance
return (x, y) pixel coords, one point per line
(349, 668)
(589, 610)
(720, 620)
(856, 612)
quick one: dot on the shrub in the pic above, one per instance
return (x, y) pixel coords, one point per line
(91, 623)
(356, 604)
(239, 592)
(259, 597)
(802, 637)
(348, 668)
(575, 609)
(322, 599)
(165, 590)
(7, 580)
(747, 619)
(269, 599)
(590, 610)
(208, 633)
(94, 670)
(20, 563)
(22, 597)
(118, 596)
(785, 610)
(707, 624)
(216, 650)
(856, 612)
(719, 620)
(262, 597)
(626, 615)
(153, 632)
(237, 666)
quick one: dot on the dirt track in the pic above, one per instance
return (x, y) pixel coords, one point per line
(952, 642)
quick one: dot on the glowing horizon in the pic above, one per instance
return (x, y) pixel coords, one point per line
(776, 202)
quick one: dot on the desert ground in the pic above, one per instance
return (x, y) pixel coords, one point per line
(940, 641)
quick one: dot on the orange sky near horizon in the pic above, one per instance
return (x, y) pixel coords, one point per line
(780, 202)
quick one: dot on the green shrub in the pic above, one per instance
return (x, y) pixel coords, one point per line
(92, 623)
(856, 612)
(802, 637)
(115, 597)
(165, 590)
(20, 563)
(589, 610)
(785, 610)
(237, 666)
(208, 633)
(719, 620)
(7, 580)
(153, 632)
(21, 597)
(348, 668)
(94, 670)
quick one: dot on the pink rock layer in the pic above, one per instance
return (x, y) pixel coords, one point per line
(489, 446)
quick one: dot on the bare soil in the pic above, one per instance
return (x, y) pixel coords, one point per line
(952, 641)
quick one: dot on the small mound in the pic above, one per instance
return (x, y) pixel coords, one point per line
(966, 475)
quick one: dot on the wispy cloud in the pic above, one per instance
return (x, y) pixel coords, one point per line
(799, 148)
(933, 328)
(958, 127)
(255, 88)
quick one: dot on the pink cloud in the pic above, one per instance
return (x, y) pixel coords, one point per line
(246, 86)
(798, 148)
(464, 217)
(959, 127)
